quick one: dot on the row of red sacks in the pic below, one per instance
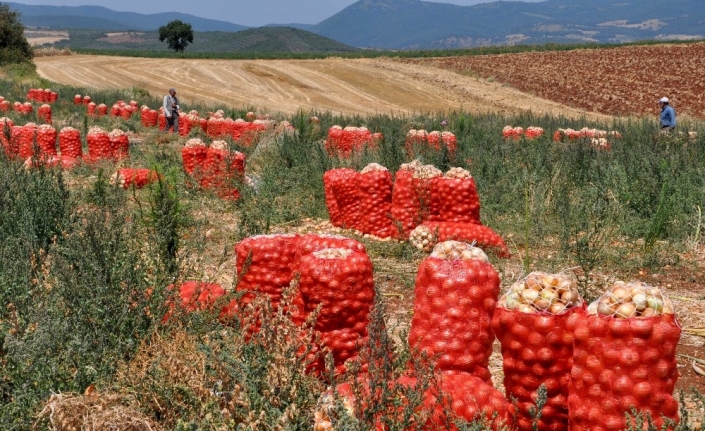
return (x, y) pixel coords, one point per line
(342, 286)
(344, 142)
(42, 95)
(417, 141)
(531, 132)
(373, 204)
(214, 167)
(101, 144)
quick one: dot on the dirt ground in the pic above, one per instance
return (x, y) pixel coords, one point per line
(40, 37)
(357, 86)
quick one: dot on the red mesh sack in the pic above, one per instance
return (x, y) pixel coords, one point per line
(347, 197)
(203, 124)
(375, 201)
(534, 322)
(131, 177)
(86, 100)
(4, 106)
(44, 112)
(455, 296)
(161, 119)
(90, 109)
(411, 195)
(99, 146)
(194, 156)
(26, 108)
(77, 99)
(454, 198)
(195, 296)
(46, 140)
(330, 182)
(115, 110)
(622, 362)
(6, 137)
(63, 162)
(340, 281)
(70, 142)
(12, 146)
(125, 112)
(102, 110)
(425, 236)
(215, 127)
(265, 264)
(184, 125)
(120, 144)
(455, 396)
(53, 97)
(26, 137)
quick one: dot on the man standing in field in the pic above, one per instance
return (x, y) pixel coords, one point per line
(171, 111)
(668, 115)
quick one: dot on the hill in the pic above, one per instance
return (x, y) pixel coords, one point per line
(415, 24)
(101, 18)
(260, 40)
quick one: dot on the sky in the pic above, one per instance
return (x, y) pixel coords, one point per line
(245, 12)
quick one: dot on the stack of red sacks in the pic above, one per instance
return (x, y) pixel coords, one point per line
(335, 274)
(150, 117)
(344, 143)
(418, 141)
(455, 297)
(99, 146)
(214, 167)
(42, 95)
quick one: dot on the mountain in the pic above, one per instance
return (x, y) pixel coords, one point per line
(256, 40)
(101, 18)
(415, 24)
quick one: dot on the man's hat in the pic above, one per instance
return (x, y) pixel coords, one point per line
(663, 100)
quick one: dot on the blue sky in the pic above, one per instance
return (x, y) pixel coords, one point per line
(245, 12)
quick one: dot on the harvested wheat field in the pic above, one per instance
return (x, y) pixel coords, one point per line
(618, 81)
(358, 86)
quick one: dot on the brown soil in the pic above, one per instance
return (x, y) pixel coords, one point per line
(359, 86)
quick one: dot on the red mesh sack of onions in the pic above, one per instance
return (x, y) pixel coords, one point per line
(90, 109)
(126, 112)
(4, 106)
(6, 125)
(12, 146)
(185, 124)
(455, 296)
(425, 236)
(340, 281)
(222, 168)
(375, 192)
(411, 194)
(454, 197)
(344, 185)
(99, 146)
(70, 142)
(215, 127)
(438, 140)
(194, 296)
(86, 100)
(265, 264)
(46, 140)
(194, 156)
(455, 396)
(77, 99)
(44, 112)
(534, 322)
(132, 177)
(331, 180)
(624, 358)
(25, 136)
(102, 110)
(120, 144)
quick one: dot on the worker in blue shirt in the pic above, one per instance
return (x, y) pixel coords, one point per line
(668, 115)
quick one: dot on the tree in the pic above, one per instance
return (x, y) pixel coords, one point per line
(177, 34)
(14, 47)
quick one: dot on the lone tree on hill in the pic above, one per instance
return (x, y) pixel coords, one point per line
(14, 47)
(177, 34)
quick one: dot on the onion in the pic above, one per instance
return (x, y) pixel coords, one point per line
(530, 295)
(619, 295)
(626, 310)
(605, 307)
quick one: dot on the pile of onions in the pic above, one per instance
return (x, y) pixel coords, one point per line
(635, 299)
(459, 173)
(456, 250)
(540, 292)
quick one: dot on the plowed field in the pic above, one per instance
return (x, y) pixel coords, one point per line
(617, 81)
(360, 86)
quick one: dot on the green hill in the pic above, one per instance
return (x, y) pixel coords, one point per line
(415, 24)
(260, 40)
